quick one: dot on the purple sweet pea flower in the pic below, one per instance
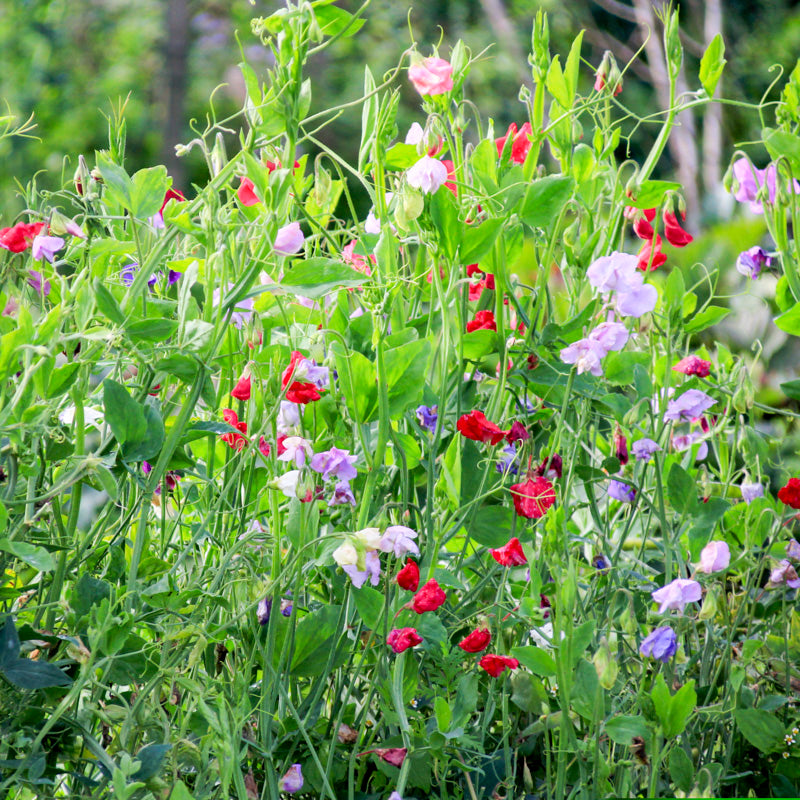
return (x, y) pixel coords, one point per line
(784, 573)
(636, 299)
(714, 557)
(372, 570)
(690, 405)
(129, 272)
(751, 491)
(46, 247)
(173, 276)
(752, 261)
(264, 610)
(621, 491)
(428, 416)
(612, 273)
(661, 644)
(289, 239)
(292, 781)
(287, 606)
(42, 287)
(750, 180)
(506, 464)
(686, 440)
(643, 449)
(334, 463)
(793, 549)
(586, 355)
(399, 539)
(242, 311)
(609, 336)
(342, 494)
(601, 563)
(677, 594)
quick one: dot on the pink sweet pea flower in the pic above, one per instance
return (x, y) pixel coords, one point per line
(431, 76)
(677, 594)
(714, 557)
(693, 365)
(289, 239)
(427, 175)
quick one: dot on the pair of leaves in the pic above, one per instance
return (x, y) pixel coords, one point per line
(137, 427)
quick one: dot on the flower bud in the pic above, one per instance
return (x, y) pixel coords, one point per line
(605, 663)
(710, 605)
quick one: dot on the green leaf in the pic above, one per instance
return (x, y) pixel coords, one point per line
(28, 674)
(87, 592)
(490, 525)
(180, 792)
(410, 449)
(358, 382)
(333, 20)
(150, 759)
(182, 367)
(571, 67)
(478, 344)
(123, 414)
(711, 65)
(9, 642)
(450, 476)
(406, 371)
(116, 183)
(316, 277)
(681, 489)
(650, 193)
(622, 729)
(36, 557)
(314, 638)
(544, 200)
(444, 716)
(401, 156)
(150, 444)
(681, 769)
(709, 316)
(478, 240)
(369, 604)
(149, 186)
(557, 85)
(444, 212)
(791, 389)
(761, 728)
(107, 303)
(581, 638)
(783, 144)
(789, 321)
(618, 367)
(536, 660)
(61, 379)
(153, 329)
(673, 711)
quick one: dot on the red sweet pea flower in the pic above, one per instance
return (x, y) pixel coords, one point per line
(408, 577)
(242, 389)
(533, 498)
(673, 232)
(264, 448)
(401, 639)
(451, 174)
(510, 555)
(476, 641)
(790, 494)
(490, 284)
(302, 393)
(428, 598)
(473, 269)
(235, 440)
(495, 665)
(19, 238)
(517, 432)
(171, 194)
(475, 426)
(520, 144)
(651, 250)
(475, 292)
(642, 227)
(550, 468)
(391, 755)
(484, 321)
(246, 192)
(693, 365)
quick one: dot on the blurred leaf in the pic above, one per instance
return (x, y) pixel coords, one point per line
(478, 240)
(36, 557)
(536, 659)
(153, 329)
(709, 316)
(490, 525)
(29, 674)
(150, 758)
(623, 728)
(148, 188)
(761, 728)
(649, 194)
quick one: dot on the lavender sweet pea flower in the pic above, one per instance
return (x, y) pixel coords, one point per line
(793, 549)
(586, 355)
(636, 299)
(686, 440)
(749, 179)
(292, 781)
(643, 449)
(46, 247)
(242, 311)
(297, 450)
(611, 273)
(427, 175)
(621, 491)
(428, 416)
(342, 494)
(690, 405)
(752, 261)
(288, 417)
(372, 570)
(129, 271)
(306, 370)
(677, 594)
(399, 539)
(714, 557)
(609, 336)
(264, 610)
(41, 286)
(333, 463)
(289, 239)
(506, 464)
(784, 573)
(661, 644)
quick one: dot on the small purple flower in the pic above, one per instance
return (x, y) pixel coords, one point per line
(292, 781)
(750, 180)
(609, 336)
(289, 239)
(35, 280)
(286, 607)
(752, 261)
(506, 464)
(372, 570)
(601, 563)
(399, 539)
(677, 594)
(661, 644)
(264, 610)
(334, 463)
(46, 247)
(243, 310)
(690, 405)
(751, 491)
(342, 494)
(643, 449)
(586, 355)
(428, 416)
(129, 272)
(784, 573)
(621, 491)
(173, 276)
(685, 441)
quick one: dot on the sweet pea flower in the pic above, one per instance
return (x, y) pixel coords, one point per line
(264, 610)
(39, 283)
(246, 192)
(677, 594)
(345, 554)
(427, 417)
(609, 336)
(408, 577)
(752, 261)
(661, 644)
(495, 665)
(643, 449)
(621, 491)
(533, 498)
(19, 238)
(334, 463)
(520, 142)
(297, 450)
(693, 365)
(342, 494)
(686, 440)
(790, 494)
(611, 273)
(287, 483)
(399, 539)
(431, 76)
(510, 554)
(751, 491)
(714, 557)
(289, 239)
(400, 639)
(428, 598)
(637, 299)
(586, 355)
(46, 247)
(690, 405)
(506, 463)
(427, 175)
(372, 570)
(784, 573)
(242, 311)
(292, 781)
(475, 426)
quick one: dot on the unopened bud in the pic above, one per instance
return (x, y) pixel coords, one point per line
(606, 665)
(608, 75)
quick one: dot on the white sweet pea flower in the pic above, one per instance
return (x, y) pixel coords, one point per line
(346, 555)
(370, 537)
(427, 175)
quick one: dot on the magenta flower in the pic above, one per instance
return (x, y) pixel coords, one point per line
(643, 449)
(427, 175)
(714, 557)
(399, 539)
(750, 180)
(677, 594)
(431, 76)
(289, 239)
(46, 247)
(752, 261)
(690, 405)
(661, 644)
(334, 463)
(292, 781)
(36, 280)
